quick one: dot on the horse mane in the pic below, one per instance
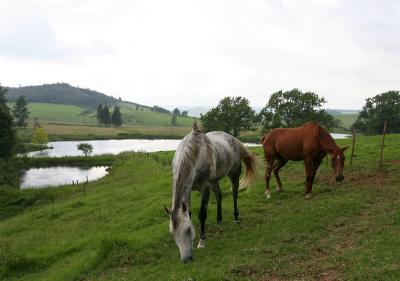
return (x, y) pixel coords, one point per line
(325, 139)
(185, 163)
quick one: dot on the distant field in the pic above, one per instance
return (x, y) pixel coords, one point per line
(347, 119)
(61, 113)
(69, 121)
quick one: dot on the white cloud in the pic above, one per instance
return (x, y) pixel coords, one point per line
(196, 52)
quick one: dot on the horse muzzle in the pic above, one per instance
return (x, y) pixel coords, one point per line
(339, 178)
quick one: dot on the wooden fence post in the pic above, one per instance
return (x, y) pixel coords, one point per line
(352, 148)
(382, 144)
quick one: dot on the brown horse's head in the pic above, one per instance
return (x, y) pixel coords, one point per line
(337, 162)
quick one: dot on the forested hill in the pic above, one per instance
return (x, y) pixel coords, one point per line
(61, 93)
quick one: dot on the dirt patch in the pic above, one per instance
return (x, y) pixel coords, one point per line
(396, 162)
(357, 178)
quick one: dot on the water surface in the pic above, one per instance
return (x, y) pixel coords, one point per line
(68, 148)
(54, 176)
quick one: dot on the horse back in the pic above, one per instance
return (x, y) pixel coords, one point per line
(292, 143)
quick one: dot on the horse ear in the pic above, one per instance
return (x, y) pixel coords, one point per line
(184, 207)
(330, 151)
(168, 210)
(344, 148)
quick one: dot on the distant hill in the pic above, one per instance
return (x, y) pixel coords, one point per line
(342, 111)
(60, 93)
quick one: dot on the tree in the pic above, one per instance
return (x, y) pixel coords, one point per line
(86, 148)
(106, 116)
(40, 137)
(376, 110)
(232, 115)
(116, 118)
(157, 108)
(176, 112)
(185, 113)
(8, 137)
(174, 121)
(3, 101)
(294, 108)
(20, 112)
(100, 114)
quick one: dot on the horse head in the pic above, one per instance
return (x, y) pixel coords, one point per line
(337, 162)
(182, 230)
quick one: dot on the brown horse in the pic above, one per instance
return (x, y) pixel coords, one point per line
(310, 143)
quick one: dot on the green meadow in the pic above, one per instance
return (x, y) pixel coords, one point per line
(71, 122)
(119, 230)
(347, 119)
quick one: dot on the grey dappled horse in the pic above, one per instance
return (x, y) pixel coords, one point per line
(200, 161)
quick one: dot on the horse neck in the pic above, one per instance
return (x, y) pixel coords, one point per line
(327, 142)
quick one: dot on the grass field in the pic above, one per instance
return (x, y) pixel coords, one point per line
(347, 119)
(71, 114)
(119, 230)
(73, 122)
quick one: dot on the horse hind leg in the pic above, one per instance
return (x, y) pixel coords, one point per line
(268, 168)
(235, 193)
(278, 165)
(218, 196)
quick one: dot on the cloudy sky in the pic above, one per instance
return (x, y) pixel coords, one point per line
(196, 52)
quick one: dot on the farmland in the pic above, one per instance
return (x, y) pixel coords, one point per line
(119, 230)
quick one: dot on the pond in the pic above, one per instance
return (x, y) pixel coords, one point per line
(54, 176)
(68, 148)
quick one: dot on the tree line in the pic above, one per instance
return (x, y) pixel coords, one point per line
(294, 108)
(104, 117)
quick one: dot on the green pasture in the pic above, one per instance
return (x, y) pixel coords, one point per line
(119, 230)
(347, 119)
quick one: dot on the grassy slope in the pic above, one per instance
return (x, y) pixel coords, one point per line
(347, 119)
(71, 121)
(119, 230)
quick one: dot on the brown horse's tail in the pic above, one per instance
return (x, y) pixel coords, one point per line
(251, 163)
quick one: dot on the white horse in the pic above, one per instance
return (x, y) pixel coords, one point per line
(200, 161)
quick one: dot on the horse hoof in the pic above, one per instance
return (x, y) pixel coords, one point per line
(202, 244)
(268, 195)
(219, 221)
(278, 190)
(236, 221)
(308, 196)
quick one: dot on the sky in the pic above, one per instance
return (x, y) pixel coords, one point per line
(194, 53)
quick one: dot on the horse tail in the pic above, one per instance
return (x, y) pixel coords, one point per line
(263, 138)
(251, 162)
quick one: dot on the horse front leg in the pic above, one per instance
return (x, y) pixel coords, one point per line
(218, 196)
(268, 168)
(311, 170)
(205, 196)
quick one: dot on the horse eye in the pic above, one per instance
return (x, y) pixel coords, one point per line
(188, 231)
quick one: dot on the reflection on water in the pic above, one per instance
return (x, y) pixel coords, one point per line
(337, 136)
(68, 148)
(43, 177)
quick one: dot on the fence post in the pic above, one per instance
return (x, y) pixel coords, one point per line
(382, 144)
(352, 148)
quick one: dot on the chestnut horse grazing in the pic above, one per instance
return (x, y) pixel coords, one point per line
(310, 143)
